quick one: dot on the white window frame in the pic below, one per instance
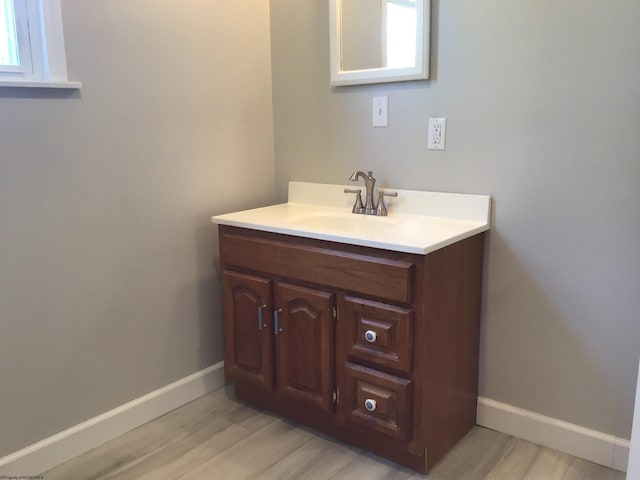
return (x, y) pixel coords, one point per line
(40, 35)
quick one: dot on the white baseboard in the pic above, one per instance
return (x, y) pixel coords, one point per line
(550, 432)
(52, 451)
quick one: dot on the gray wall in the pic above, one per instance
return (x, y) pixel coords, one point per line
(108, 288)
(543, 107)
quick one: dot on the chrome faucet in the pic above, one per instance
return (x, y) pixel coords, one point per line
(369, 183)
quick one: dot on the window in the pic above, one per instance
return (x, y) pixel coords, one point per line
(32, 44)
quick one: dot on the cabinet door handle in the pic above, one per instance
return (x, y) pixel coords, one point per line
(260, 316)
(370, 404)
(276, 321)
(370, 336)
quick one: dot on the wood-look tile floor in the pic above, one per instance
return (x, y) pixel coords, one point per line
(218, 438)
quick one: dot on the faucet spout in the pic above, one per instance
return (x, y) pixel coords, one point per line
(354, 176)
(369, 183)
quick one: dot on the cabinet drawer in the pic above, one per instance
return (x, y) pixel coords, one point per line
(365, 274)
(377, 332)
(378, 401)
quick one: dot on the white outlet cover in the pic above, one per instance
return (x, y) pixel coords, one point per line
(437, 133)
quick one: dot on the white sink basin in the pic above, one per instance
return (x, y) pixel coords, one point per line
(418, 222)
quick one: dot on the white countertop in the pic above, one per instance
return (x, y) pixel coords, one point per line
(417, 222)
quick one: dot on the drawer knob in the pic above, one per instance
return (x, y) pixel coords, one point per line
(370, 404)
(370, 336)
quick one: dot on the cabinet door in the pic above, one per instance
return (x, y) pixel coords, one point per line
(305, 344)
(248, 320)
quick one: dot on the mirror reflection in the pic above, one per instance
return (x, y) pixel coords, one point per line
(378, 34)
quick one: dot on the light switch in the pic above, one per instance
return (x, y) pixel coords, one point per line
(380, 111)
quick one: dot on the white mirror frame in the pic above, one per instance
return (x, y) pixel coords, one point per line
(379, 75)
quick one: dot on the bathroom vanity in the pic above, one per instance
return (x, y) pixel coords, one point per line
(364, 328)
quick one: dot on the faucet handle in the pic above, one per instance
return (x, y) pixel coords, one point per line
(357, 207)
(381, 210)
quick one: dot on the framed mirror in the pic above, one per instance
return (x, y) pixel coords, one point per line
(378, 41)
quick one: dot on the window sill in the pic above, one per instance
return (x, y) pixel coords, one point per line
(40, 84)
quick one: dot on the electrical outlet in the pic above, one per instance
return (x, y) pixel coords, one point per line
(437, 133)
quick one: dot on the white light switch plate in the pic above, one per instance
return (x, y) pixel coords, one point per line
(437, 133)
(380, 111)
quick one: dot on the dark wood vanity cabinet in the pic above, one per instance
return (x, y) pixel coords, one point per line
(375, 347)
